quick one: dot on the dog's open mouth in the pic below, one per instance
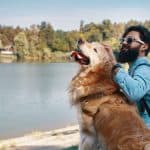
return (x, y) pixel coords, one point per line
(80, 58)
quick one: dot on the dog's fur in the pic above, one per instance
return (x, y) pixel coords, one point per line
(105, 116)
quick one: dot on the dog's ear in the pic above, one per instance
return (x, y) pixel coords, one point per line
(80, 41)
(110, 53)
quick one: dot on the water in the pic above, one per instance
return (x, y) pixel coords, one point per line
(33, 97)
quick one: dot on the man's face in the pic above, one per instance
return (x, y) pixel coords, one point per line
(130, 47)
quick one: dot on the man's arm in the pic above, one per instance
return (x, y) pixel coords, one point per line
(134, 87)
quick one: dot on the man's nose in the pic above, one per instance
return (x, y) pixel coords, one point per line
(124, 44)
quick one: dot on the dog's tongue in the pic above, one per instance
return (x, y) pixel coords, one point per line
(76, 54)
(80, 58)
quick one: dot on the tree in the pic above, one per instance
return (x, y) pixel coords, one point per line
(81, 25)
(60, 42)
(147, 24)
(8, 35)
(72, 38)
(107, 29)
(1, 45)
(118, 29)
(89, 27)
(40, 41)
(60, 45)
(21, 44)
(33, 38)
(132, 23)
(46, 34)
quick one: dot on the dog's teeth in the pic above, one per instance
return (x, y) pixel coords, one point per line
(79, 57)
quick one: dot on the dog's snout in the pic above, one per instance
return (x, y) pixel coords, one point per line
(80, 41)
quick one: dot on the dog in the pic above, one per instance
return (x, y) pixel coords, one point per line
(107, 120)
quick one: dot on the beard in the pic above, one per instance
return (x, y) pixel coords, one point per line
(129, 55)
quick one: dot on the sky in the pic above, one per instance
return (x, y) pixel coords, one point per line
(67, 14)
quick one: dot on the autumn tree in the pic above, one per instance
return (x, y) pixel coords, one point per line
(21, 44)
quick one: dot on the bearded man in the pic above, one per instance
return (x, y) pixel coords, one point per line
(135, 45)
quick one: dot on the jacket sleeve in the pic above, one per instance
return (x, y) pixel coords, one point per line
(134, 87)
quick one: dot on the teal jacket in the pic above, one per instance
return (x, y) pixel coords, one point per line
(136, 84)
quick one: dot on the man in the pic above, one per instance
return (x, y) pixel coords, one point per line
(135, 84)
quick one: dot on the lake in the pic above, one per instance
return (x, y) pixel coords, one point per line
(33, 97)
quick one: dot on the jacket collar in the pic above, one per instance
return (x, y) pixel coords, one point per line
(138, 61)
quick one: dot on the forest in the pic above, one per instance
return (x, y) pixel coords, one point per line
(43, 43)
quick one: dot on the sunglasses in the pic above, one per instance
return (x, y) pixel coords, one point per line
(129, 40)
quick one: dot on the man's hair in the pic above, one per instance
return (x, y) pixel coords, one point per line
(144, 35)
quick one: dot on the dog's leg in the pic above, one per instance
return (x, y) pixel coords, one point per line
(88, 138)
(88, 142)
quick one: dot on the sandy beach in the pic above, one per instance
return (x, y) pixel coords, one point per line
(59, 139)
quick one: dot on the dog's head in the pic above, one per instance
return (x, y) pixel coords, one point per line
(90, 54)
(95, 73)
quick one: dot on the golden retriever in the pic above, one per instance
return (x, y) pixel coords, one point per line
(105, 117)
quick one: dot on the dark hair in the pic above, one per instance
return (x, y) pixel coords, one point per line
(144, 35)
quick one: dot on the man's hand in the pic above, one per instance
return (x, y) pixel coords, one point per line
(110, 53)
(116, 66)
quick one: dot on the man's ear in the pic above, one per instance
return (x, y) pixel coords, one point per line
(144, 46)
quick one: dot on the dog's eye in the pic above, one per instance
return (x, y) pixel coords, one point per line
(95, 50)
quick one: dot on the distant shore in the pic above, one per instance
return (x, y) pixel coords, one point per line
(59, 139)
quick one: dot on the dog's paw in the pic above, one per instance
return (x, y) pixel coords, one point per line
(147, 147)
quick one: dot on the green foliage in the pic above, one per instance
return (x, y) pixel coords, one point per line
(46, 34)
(107, 28)
(132, 23)
(113, 42)
(21, 44)
(59, 56)
(41, 42)
(71, 148)
(147, 24)
(59, 42)
(60, 45)
(1, 45)
(93, 35)
(72, 37)
(81, 26)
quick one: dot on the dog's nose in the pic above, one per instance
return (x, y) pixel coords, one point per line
(80, 41)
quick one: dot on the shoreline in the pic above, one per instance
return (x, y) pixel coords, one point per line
(57, 139)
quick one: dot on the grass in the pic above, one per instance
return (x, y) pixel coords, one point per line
(71, 148)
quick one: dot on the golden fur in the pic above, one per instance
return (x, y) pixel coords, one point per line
(105, 117)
